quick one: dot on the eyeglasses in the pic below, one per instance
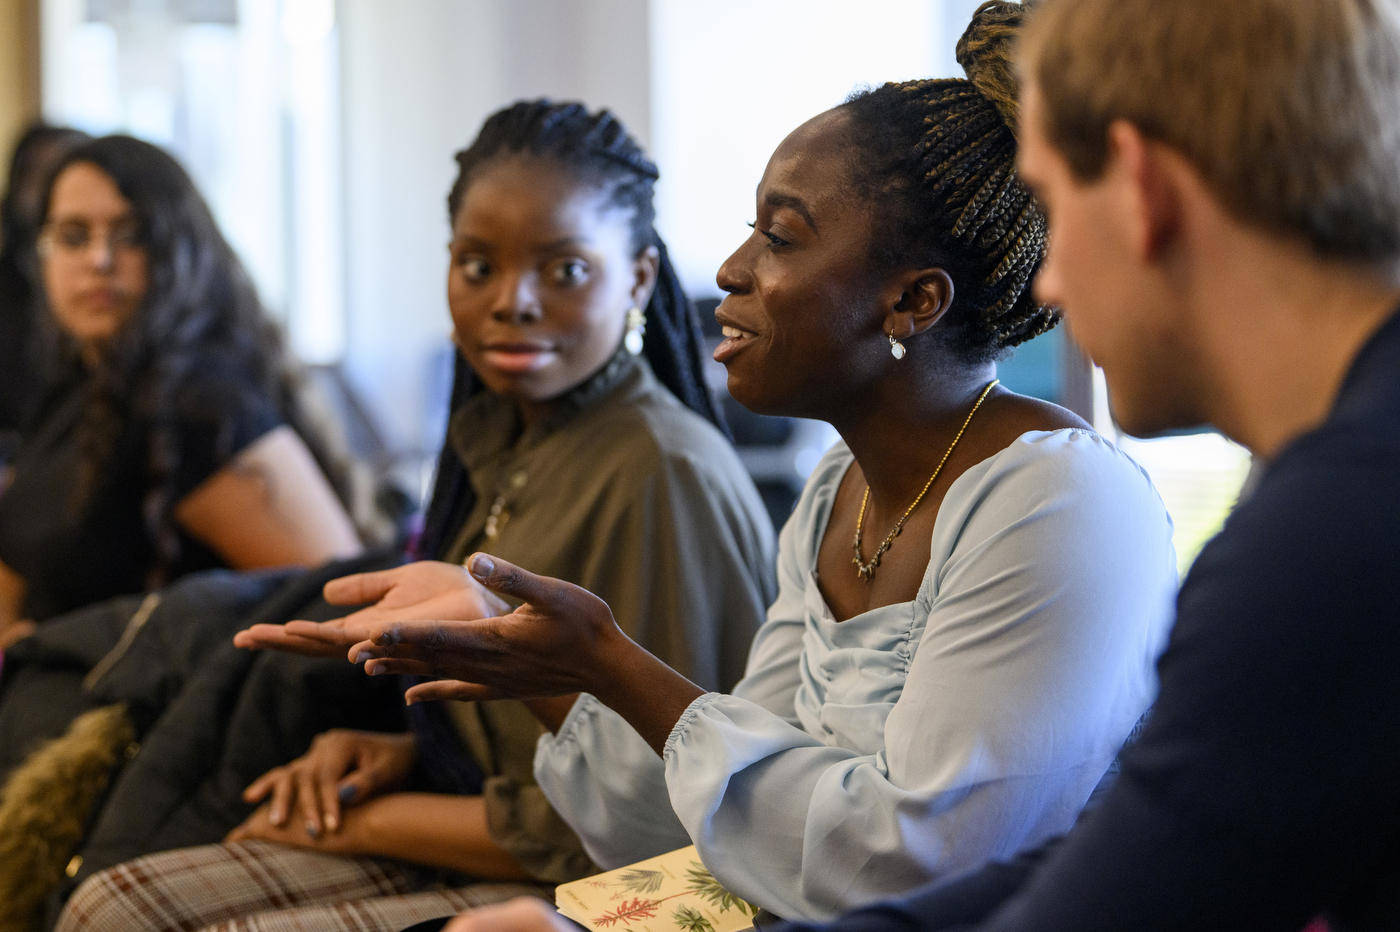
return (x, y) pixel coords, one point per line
(71, 239)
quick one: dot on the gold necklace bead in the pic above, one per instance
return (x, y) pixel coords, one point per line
(866, 569)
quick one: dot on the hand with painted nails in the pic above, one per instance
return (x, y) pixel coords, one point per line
(308, 796)
(561, 640)
(425, 589)
(552, 645)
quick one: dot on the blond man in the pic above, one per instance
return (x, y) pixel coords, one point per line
(1223, 186)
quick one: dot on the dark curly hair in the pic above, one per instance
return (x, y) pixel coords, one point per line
(25, 341)
(199, 322)
(938, 159)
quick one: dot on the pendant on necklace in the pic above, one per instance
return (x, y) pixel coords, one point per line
(496, 520)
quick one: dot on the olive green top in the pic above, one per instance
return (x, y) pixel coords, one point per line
(628, 493)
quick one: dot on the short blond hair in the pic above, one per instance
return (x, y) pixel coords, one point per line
(1289, 109)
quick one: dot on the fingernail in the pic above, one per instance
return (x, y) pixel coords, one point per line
(362, 656)
(312, 829)
(346, 792)
(332, 823)
(275, 817)
(483, 565)
(383, 639)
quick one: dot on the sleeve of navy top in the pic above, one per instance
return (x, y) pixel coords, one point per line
(1263, 790)
(218, 416)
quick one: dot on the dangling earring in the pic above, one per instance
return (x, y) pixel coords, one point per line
(896, 347)
(636, 328)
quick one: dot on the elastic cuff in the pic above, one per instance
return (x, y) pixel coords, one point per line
(682, 723)
(568, 729)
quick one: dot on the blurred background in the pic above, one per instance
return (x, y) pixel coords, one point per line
(322, 133)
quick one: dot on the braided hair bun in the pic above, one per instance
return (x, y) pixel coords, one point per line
(985, 53)
(937, 161)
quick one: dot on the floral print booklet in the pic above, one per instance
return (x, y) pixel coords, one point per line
(670, 893)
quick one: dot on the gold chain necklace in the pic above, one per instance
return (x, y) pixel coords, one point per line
(866, 570)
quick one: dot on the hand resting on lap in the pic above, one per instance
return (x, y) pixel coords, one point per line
(342, 768)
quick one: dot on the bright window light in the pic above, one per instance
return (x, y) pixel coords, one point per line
(246, 94)
(731, 78)
(1199, 476)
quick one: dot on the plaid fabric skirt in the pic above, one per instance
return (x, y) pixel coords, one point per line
(263, 887)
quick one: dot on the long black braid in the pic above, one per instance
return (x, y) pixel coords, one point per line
(939, 157)
(597, 148)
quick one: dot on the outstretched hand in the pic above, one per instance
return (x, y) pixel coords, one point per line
(558, 642)
(561, 640)
(426, 589)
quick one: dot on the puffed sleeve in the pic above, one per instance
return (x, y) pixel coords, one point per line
(608, 783)
(1048, 598)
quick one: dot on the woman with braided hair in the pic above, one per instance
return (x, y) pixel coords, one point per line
(583, 441)
(972, 588)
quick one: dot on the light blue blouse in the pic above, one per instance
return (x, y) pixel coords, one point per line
(857, 760)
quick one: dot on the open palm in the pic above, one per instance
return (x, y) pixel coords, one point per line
(556, 643)
(425, 589)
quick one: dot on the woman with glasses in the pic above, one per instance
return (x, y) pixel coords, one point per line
(171, 440)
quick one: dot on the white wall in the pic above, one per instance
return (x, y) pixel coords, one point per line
(731, 78)
(248, 103)
(416, 78)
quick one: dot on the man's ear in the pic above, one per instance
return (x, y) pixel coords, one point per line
(646, 268)
(1149, 197)
(925, 296)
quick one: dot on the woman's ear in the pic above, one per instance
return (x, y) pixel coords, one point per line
(925, 297)
(646, 268)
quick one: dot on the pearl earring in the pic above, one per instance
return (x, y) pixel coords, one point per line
(896, 347)
(636, 328)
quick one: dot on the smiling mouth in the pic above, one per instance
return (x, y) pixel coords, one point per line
(734, 341)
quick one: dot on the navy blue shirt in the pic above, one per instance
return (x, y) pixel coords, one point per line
(1265, 788)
